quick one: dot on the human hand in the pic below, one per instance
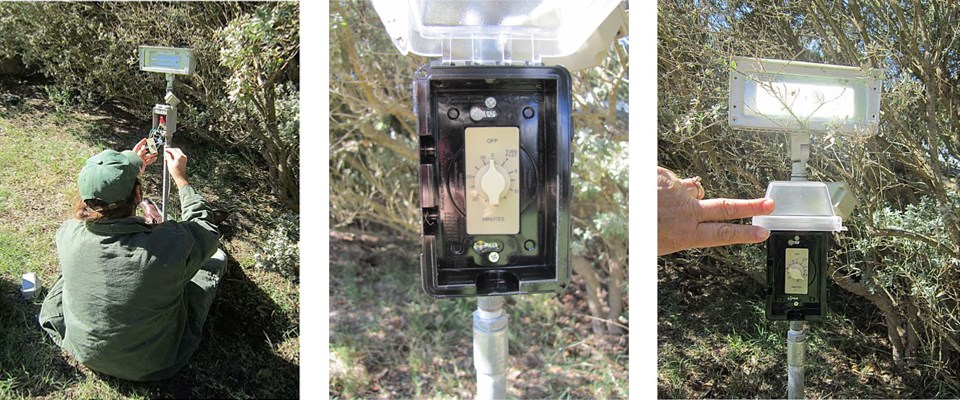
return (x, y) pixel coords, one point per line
(141, 150)
(151, 213)
(686, 221)
(177, 165)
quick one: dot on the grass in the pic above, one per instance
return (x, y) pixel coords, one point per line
(714, 341)
(251, 339)
(390, 340)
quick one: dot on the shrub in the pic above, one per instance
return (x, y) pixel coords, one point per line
(281, 252)
(239, 97)
(900, 252)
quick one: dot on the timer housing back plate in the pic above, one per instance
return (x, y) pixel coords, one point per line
(796, 275)
(495, 146)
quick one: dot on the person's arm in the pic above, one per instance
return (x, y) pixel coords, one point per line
(686, 221)
(195, 211)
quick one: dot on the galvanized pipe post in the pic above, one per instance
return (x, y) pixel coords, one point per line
(166, 189)
(166, 174)
(797, 335)
(490, 339)
(799, 154)
(796, 353)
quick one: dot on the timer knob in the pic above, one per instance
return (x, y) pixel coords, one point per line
(492, 181)
(795, 272)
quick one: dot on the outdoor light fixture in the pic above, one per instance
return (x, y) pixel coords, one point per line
(793, 95)
(170, 61)
(167, 60)
(801, 98)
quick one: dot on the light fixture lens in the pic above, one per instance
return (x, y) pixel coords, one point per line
(808, 101)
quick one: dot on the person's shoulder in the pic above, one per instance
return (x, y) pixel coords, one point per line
(70, 223)
(177, 228)
(70, 229)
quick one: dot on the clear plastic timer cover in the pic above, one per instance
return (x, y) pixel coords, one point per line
(800, 206)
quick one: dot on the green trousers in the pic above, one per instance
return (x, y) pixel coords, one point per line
(200, 292)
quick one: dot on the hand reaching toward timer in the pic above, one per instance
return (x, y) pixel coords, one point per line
(686, 221)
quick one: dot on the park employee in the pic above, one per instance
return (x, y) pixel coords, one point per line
(132, 297)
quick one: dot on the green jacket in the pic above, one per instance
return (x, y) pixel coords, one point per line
(124, 290)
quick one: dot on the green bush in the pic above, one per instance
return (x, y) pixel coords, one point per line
(261, 51)
(900, 252)
(243, 95)
(281, 253)
(374, 159)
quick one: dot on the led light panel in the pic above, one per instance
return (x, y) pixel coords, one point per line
(793, 95)
(168, 60)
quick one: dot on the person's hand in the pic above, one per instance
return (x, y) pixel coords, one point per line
(141, 150)
(177, 165)
(151, 213)
(686, 221)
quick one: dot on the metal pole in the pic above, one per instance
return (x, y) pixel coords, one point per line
(796, 353)
(799, 155)
(166, 190)
(797, 335)
(490, 339)
(166, 174)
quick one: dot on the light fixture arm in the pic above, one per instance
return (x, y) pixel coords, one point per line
(799, 154)
(170, 78)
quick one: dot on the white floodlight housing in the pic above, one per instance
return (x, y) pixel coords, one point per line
(575, 34)
(168, 60)
(795, 96)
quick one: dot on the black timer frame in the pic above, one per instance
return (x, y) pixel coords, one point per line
(812, 305)
(537, 101)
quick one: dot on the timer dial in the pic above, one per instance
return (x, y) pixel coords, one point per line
(492, 156)
(795, 281)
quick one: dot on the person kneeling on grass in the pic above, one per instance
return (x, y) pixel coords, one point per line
(132, 297)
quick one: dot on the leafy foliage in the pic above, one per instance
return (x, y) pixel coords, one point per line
(244, 92)
(372, 127)
(261, 51)
(374, 158)
(281, 253)
(902, 247)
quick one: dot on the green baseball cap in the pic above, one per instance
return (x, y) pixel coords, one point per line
(109, 176)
